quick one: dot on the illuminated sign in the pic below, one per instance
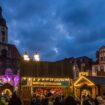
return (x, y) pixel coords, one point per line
(50, 83)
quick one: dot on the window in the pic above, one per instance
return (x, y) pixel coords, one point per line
(102, 68)
(3, 38)
(101, 58)
(4, 53)
(3, 32)
(96, 68)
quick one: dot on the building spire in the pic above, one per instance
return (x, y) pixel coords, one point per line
(3, 28)
(0, 11)
(2, 19)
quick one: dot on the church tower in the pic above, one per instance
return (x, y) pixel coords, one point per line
(3, 29)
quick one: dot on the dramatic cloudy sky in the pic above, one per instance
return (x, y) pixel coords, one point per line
(56, 29)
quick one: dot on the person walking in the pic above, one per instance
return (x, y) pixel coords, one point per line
(15, 100)
(3, 101)
(36, 100)
(70, 101)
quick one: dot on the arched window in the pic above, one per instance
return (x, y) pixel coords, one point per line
(4, 53)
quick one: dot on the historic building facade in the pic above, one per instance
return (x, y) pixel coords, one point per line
(98, 69)
(81, 65)
(94, 83)
(9, 60)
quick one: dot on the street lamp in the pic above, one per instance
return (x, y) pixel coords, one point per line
(36, 57)
(26, 56)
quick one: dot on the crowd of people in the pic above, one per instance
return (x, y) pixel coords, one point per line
(68, 100)
(5, 99)
(53, 100)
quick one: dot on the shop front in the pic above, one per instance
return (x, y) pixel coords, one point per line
(89, 85)
(84, 86)
(44, 86)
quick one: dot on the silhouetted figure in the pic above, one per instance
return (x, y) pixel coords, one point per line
(44, 101)
(70, 101)
(36, 100)
(15, 100)
(96, 101)
(57, 101)
(88, 101)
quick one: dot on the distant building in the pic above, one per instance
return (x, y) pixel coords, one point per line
(98, 69)
(93, 84)
(81, 65)
(9, 60)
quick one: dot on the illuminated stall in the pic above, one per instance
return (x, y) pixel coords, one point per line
(56, 86)
(9, 82)
(89, 85)
(42, 78)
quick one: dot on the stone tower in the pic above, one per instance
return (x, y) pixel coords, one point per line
(3, 29)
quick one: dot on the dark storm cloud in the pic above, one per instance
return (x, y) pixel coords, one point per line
(77, 17)
(56, 28)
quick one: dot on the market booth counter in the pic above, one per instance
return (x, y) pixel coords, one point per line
(43, 86)
(45, 77)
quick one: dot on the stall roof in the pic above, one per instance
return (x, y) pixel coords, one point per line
(46, 69)
(97, 80)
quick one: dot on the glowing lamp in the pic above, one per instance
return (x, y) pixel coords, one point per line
(36, 57)
(26, 57)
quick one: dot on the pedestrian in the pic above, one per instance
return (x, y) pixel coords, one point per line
(101, 99)
(50, 102)
(88, 100)
(57, 101)
(44, 101)
(3, 101)
(96, 101)
(70, 101)
(15, 100)
(36, 100)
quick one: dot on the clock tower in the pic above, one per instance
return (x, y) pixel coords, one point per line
(3, 29)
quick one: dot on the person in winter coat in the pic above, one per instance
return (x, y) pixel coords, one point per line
(50, 102)
(44, 101)
(70, 101)
(36, 100)
(57, 101)
(3, 101)
(96, 101)
(15, 100)
(101, 100)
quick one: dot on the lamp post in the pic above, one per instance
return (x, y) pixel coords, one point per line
(37, 59)
(26, 57)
